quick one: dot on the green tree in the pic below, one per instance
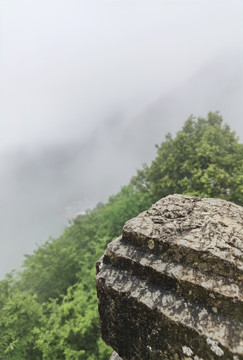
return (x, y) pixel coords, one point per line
(51, 269)
(204, 159)
(71, 331)
(129, 202)
(20, 314)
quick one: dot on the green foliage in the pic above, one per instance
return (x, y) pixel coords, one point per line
(50, 270)
(204, 159)
(20, 314)
(71, 330)
(123, 206)
(50, 311)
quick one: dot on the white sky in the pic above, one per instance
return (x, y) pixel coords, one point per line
(66, 65)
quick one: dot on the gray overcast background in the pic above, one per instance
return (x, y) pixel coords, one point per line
(86, 90)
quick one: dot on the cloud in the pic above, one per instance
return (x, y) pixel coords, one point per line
(68, 65)
(88, 87)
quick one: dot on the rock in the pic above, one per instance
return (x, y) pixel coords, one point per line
(171, 287)
(115, 356)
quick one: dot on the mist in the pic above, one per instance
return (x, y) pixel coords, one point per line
(86, 91)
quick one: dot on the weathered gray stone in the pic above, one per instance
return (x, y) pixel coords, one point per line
(115, 356)
(171, 287)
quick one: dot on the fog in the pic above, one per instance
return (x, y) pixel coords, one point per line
(86, 90)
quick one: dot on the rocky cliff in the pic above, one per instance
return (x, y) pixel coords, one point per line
(171, 287)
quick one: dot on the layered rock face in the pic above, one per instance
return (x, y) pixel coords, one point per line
(171, 287)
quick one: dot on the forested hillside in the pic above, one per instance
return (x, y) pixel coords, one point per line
(49, 310)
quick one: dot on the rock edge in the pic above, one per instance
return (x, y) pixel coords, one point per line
(171, 286)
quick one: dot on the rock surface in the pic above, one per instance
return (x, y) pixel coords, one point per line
(115, 356)
(171, 287)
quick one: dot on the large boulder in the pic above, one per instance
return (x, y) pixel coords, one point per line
(171, 287)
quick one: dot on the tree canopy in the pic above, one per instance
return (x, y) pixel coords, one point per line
(204, 159)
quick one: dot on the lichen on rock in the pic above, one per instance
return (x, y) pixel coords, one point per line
(171, 286)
